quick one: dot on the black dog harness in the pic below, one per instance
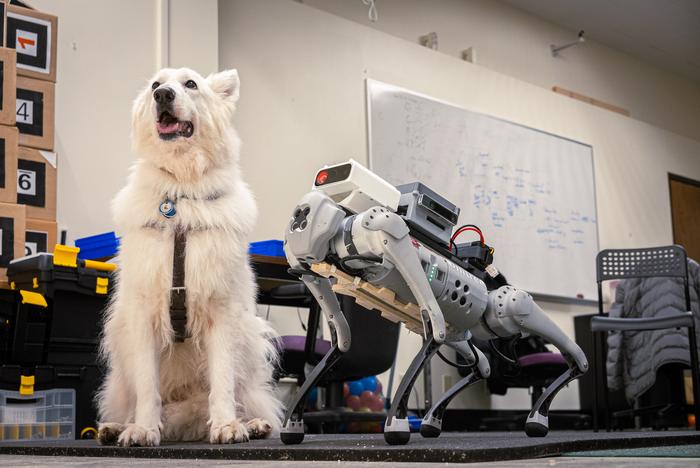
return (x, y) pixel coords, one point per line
(178, 292)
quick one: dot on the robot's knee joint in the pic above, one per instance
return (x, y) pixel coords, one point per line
(381, 219)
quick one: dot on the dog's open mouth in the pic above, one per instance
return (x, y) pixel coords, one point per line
(169, 127)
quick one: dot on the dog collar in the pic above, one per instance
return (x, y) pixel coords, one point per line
(167, 206)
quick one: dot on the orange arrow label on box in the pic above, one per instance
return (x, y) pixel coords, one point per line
(24, 42)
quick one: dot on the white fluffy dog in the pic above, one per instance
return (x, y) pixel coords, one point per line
(217, 383)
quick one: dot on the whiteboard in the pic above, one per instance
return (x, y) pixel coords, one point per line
(532, 193)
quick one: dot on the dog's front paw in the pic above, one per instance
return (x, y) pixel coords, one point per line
(108, 433)
(138, 436)
(258, 428)
(230, 433)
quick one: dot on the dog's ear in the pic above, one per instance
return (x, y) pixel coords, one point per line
(226, 84)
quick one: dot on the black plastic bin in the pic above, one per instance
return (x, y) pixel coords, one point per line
(66, 332)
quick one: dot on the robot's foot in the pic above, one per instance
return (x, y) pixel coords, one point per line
(293, 432)
(397, 438)
(537, 425)
(291, 438)
(429, 430)
(397, 432)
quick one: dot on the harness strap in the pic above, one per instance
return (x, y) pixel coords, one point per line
(178, 294)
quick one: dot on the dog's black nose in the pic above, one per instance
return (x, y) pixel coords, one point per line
(164, 95)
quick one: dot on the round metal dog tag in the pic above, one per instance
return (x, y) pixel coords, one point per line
(167, 208)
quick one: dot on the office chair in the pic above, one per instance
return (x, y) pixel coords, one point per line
(668, 261)
(372, 351)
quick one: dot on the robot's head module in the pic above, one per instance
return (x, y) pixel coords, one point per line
(355, 188)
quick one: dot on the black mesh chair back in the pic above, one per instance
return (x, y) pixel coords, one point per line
(651, 262)
(642, 263)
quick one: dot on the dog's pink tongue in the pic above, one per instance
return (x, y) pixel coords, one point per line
(168, 128)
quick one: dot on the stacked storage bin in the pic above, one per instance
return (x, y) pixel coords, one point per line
(51, 345)
(51, 314)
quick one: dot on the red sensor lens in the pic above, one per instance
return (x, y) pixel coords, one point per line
(322, 177)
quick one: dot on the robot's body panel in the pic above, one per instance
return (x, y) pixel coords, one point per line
(375, 245)
(462, 297)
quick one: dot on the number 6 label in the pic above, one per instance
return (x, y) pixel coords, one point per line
(25, 112)
(26, 182)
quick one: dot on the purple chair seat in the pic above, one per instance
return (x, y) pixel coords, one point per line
(541, 367)
(292, 357)
(542, 359)
(296, 343)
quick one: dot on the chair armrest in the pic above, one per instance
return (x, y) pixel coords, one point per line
(682, 320)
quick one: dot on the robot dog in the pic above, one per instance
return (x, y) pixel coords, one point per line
(391, 248)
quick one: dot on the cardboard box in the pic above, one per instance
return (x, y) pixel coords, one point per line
(8, 164)
(36, 182)
(13, 220)
(8, 85)
(40, 236)
(35, 112)
(33, 35)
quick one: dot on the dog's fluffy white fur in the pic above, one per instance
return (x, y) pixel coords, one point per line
(217, 384)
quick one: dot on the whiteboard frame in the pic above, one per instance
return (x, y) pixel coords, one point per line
(542, 296)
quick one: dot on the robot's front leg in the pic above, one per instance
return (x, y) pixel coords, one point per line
(293, 426)
(431, 426)
(511, 311)
(396, 428)
(384, 234)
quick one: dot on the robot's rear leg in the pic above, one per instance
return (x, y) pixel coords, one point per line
(396, 428)
(511, 311)
(431, 426)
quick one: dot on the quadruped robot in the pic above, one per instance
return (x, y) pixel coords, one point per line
(392, 248)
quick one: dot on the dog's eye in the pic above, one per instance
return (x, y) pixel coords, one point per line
(190, 84)
(155, 85)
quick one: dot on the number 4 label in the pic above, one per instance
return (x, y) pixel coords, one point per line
(26, 182)
(25, 111)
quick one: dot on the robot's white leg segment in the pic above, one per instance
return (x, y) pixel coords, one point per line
(511, 311)
(293, 426)
(396, 429)
(385, 233)
(431, 426)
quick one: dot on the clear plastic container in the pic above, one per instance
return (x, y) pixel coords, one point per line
(44, 415)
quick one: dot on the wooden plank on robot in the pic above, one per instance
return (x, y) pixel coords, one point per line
(370, 296)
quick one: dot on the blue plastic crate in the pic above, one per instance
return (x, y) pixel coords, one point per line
(99, 246)
(271, 248)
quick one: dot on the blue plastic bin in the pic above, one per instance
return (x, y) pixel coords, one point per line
(99, 246)
(271, 248)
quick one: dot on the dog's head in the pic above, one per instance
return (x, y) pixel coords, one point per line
(182, 119)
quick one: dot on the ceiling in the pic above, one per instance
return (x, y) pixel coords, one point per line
(665, 33)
